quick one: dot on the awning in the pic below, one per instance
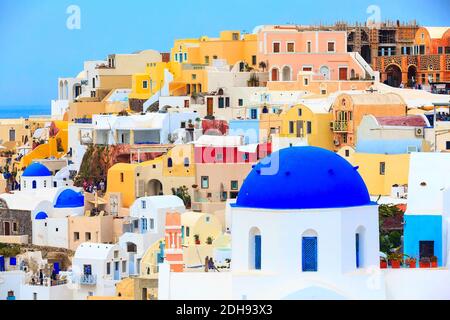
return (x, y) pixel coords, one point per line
(249, 148)
(100, 201)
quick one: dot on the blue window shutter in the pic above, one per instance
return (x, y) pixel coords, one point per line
(258, 252)
(357, 250)
(2, 264)
(12, 261)
(309, 258)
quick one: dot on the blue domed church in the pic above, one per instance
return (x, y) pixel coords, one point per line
(303, 227)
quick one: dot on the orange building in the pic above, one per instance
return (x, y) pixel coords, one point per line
(349, 109)
(427, 61)
(173, 249)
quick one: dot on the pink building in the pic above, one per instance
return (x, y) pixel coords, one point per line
(289, 53)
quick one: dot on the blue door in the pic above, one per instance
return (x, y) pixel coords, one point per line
(254, 113)
(2, 264)
(116, 271)
(258, 252)
(309, 258)
(357, 251)
(131, 264)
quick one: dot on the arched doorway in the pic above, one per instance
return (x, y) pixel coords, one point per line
(254, 249)
(412, 76)
(286, 73)
(393, 76)
(154, 188)
(132, 251)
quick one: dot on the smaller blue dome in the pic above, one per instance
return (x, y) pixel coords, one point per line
(36, 170)
(41, 216)
(69, 199)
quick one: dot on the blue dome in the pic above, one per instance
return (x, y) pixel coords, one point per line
(70, 199)
(41, 216)
(36, 170)
(308, 178)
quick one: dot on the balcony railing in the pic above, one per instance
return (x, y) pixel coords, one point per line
(340, 126)
(88, 279)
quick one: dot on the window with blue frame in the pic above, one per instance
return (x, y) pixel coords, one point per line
(144, 204)
(144, 224)
(258, 252)
(309, 254)
(169, 162)
(254, 114)
(34, 184)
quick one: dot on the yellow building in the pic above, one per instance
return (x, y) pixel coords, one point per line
(379, 171)
(56, 146)
(189, 59)
(172, 170)
(205, 226)
(308, 122)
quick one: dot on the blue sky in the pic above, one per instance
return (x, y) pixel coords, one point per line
(36, 47)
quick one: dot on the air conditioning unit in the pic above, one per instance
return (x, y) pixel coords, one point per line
(419, 132)
(412, 149)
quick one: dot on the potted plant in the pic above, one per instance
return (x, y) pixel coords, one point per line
(434, 262)
(424, 263)
(197, 239)
(209, 241)
(395, 260)
(383, 263)
(411, 262)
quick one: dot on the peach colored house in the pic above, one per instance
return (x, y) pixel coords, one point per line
(288, 53)
(349, 108)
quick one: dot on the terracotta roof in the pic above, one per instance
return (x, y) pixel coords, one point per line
(409, 121)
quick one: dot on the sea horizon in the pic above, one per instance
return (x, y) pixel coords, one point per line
(24, 111)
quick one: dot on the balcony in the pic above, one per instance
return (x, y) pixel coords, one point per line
(88, 279)
(340, 126)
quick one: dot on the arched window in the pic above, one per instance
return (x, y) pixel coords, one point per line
(309, 251)
(254, 249)
(352, 74)
(359, 247)
(186, 162)
(325, 72)
(286, 73)
(34, 184)
(169, 162)
(275, 74)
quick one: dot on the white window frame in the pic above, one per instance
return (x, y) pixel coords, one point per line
(273, 48)
(287, 46)
(334, 46)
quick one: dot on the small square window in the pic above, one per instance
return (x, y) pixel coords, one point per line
(290, 47)
(145, 84)
(88, 236)
(76, 236)
(276, 47)
(241, 102)
(205, 182)
(234, 185)
(331, 47)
